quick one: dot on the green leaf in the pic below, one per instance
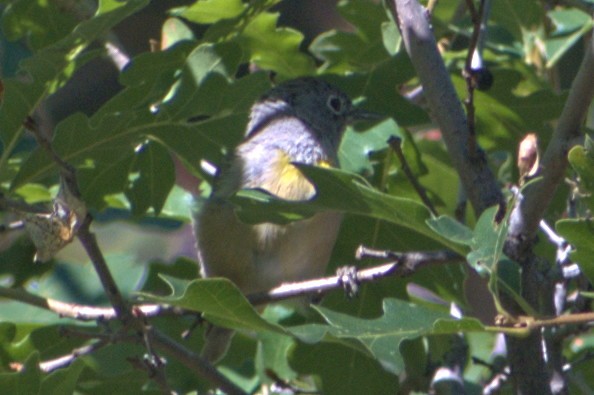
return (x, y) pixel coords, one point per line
(17, 263)
(218, 299)
(50, 68)
(381, 337)
(581, 159)
(513, 107)
(34, 193)
(109, 368)
(568, 20)
(223, 59)
(155, 180)
(579, 233)
(487, 241)
(343, 370)
(274, 348)
(105, 143)
(487, 258)
(518, 18)
(107, 174)
(272, 48)
(391, 37)
(356, 147)
(178, 204)
(211, 11)
(77, 283)
(392, 72)
(26, 381)
(570, 26)
(340, 191)
(174, 31)
(181, 268)
(451, 230)
(45, 339)
(363, 49)
(40, 22)
(64, 380)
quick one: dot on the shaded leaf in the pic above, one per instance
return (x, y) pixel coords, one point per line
(51, 67)
(274, 48)
(218, 299)
(103, 145)
(382, 336)
(155, 179)
(353, 372)
(356, 147)
(40, 23)
(26, 381)
(570, 26)
(451, 229)
(340, 191)
(63, 381)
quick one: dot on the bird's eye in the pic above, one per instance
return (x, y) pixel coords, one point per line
(335, 104)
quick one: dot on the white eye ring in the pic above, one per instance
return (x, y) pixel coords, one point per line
(335, 104)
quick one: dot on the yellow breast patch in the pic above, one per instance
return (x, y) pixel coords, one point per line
(287, 181)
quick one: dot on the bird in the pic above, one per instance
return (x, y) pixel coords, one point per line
(298, 121)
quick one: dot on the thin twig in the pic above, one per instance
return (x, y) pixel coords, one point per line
(82, 312)
(431, 6)
(404, 264)
(415, 96)
(193, 362)
(66, 360)
(7, 204)
(86, 237)
(89, 243)
(46, 145)
(461, 204)
(396, 145)
(495, 385)
(152, 362)
(11, 226)
(476, 17)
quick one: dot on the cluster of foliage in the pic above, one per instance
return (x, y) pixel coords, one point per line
(189, 101)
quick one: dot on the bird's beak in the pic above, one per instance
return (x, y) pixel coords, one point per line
(360, 114)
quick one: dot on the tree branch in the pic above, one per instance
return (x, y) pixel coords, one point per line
(85, 9)
(71, 196)
(529, 210)
(404, 264)
(64, 361)
(82, 312)
(396, 145)
(527, 358)
(477, 179)
(193, 362)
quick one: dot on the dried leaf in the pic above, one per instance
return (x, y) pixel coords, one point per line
(49, 233)
(528, 157)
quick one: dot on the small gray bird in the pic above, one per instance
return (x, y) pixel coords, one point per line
(301, 121)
